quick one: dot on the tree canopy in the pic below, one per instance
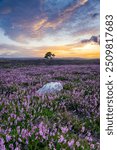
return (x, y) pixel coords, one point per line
(49, 55)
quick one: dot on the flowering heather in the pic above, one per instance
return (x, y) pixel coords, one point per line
(68, 120)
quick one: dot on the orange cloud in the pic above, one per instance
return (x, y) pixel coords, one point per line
(44, 23)
(83, 50)
(53, 24)
(74, 7)
(40, 24)
(63, 16)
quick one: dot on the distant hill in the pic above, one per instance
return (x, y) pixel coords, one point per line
(17, 62)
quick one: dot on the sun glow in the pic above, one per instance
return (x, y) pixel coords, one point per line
(81, 50)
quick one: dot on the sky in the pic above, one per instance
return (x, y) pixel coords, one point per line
(67, 28)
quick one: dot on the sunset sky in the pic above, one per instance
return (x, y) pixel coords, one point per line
(68, 28)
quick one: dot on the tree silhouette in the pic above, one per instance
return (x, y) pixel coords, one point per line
(49, 55)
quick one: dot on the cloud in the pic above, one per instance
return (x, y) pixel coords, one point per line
(95, 39)
(8, 50)
(8, 47)
(62, 17)
(40, 24)
(80, 49)
(36, 19)
(95, 15)
(84, 50)
(75, 6)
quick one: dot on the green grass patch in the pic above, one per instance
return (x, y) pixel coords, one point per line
(68, 86)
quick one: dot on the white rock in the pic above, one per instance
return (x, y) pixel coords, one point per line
(50, 88)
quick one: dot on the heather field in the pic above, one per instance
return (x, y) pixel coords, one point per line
(68, 120)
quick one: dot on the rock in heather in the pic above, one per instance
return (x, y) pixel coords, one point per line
(50, 88)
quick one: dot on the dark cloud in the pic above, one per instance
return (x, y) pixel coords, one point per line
(95, 39)
(95, 15)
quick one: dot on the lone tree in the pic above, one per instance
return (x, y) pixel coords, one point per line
(49, 55)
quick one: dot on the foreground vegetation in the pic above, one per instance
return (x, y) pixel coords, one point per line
(68, 120)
